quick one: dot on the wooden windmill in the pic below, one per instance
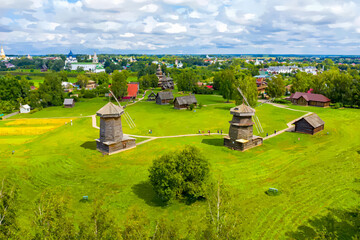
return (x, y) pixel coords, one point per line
(126, 115)
(255, 118)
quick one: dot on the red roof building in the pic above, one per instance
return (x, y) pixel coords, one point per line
(309, 99)
(133, 90)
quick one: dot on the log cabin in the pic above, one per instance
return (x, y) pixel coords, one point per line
(310, 124)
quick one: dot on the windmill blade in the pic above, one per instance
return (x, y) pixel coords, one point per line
(127, 117)
(256, 119)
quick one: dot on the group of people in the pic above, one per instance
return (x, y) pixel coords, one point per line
(218, 131)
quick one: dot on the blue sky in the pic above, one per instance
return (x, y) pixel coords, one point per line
(180, 26)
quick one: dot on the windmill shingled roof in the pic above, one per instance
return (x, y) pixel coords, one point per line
(110, 110)
(243, 109)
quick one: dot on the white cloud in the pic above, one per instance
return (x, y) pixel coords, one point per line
(151, 8)
(6, 21)
(209, 25)
(221, 27)
(127, 35)
(175, 28)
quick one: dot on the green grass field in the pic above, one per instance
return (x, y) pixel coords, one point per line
(313, 173)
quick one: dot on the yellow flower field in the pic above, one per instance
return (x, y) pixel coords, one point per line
(30, 126)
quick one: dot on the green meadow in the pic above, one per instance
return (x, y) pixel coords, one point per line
(314, 173)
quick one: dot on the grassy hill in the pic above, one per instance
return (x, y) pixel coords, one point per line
(314, 173)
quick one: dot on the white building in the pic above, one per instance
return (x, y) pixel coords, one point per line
(66, 84)
(95, 58)
(2, 54)
(24, 108)
(71, 58)
(310, 69)
(91, 67)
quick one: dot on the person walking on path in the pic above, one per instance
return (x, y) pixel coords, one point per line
(209, 132)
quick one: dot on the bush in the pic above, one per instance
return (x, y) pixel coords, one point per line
(192, 106)
(89, 94)
(338, 105)
(200, 105)
(180, 174)
(282, 101)
(141, 91)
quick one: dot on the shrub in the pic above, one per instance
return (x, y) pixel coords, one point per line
(192, 106)
(282, 101)
(338, 105)
(200, 105)
(180, 174)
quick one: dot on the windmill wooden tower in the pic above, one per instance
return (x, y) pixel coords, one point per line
(241, 129)
(112, 139)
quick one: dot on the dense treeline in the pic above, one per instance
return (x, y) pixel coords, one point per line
(227, 82)
(340, 87)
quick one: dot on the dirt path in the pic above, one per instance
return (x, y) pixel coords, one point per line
(289, 124)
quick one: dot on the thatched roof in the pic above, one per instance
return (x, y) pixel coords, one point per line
(314, 120)
(165, 95)
(110, 110)
(186, 100)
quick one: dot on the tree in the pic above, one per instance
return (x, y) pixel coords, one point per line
(63, 76)
(8, 197)
(57, 65)
(136, 225)
(224, 218)
(82, 80)
(248, 88)
(102, 78)
(101, 224)
(186, 80)
(119, 84)
(227, 84)
(50, 91)
(180, 174)
(166, 229)
(51, 220)
(276, 86)
(302, 82)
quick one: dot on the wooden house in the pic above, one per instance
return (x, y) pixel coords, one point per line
(310, 124)
(69, 103)
(151, 96)
(133, 90)
(90, 85)
(163, 98)
(184, 102)
(309, 99)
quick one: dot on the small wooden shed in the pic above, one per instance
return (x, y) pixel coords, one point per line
(184, 102)
(69, 103)
(310, 124)
(151, 96)
(163, 98)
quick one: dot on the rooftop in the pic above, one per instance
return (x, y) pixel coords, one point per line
(314, 120)
(310, 97)
(110, 110)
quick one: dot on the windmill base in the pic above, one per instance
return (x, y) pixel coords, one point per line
(242, 144)
(115, 147)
